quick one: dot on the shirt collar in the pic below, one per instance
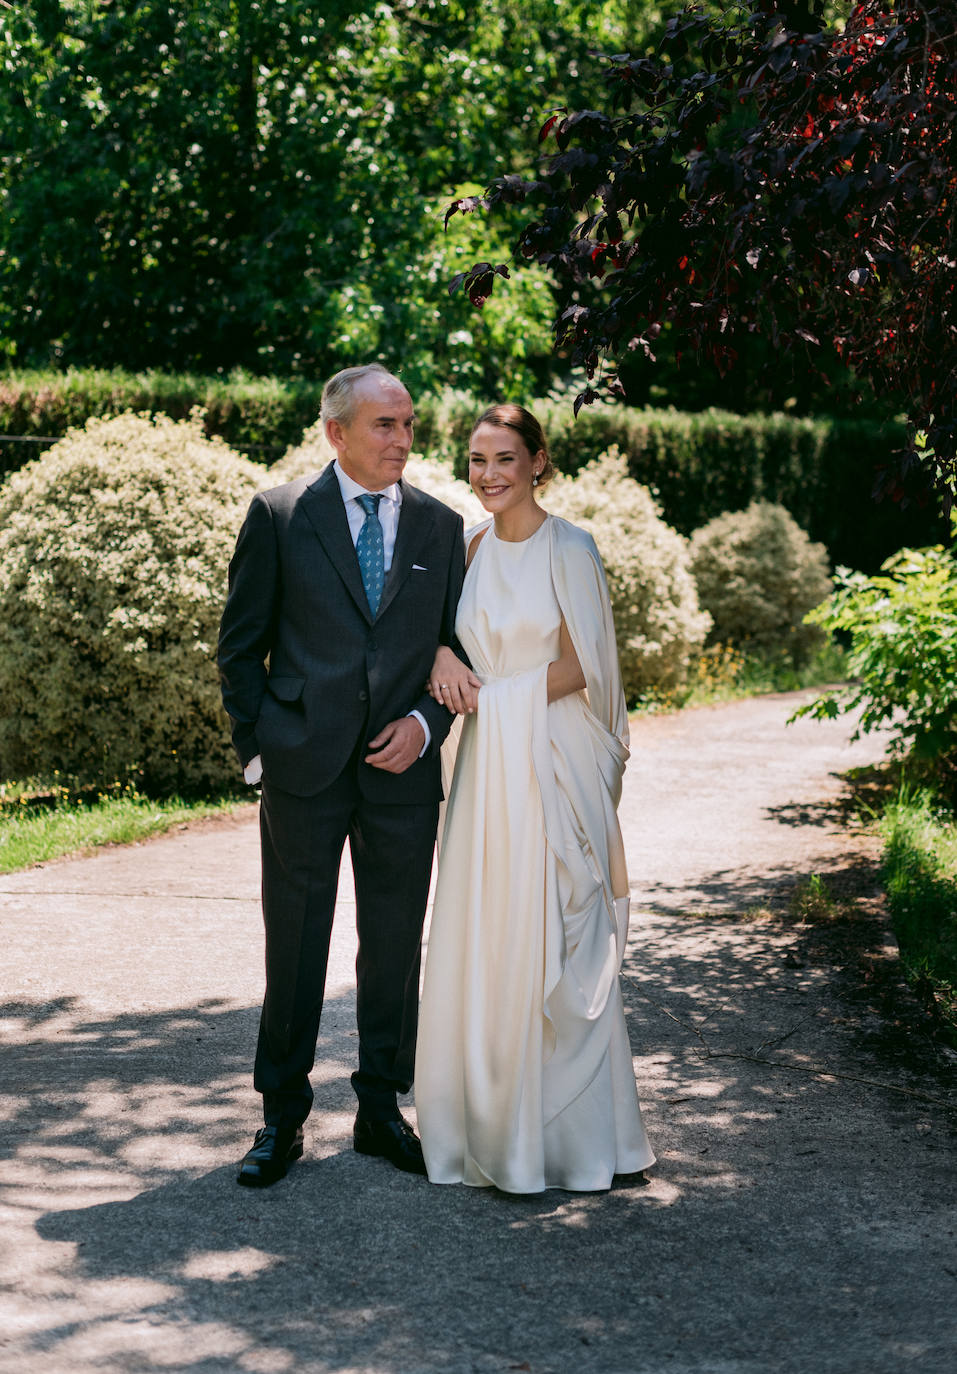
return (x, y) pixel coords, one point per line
(351, 489)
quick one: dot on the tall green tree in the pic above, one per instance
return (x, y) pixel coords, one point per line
(259, 183)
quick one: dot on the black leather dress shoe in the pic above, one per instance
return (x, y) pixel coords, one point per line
(273, 1150)
(392, 1140)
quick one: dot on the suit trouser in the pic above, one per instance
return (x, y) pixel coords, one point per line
(302, 843)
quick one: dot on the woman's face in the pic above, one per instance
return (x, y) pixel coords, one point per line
(501, 468)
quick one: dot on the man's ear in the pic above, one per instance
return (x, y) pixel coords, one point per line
(335, 434)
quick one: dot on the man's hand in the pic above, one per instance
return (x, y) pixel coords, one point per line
(397, 746)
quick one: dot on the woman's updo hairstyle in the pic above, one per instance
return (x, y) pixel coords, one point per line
(510, 416)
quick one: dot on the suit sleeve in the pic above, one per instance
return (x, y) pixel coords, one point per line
(248, 626)
(439, 717)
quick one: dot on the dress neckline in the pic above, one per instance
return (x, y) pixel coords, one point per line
(517, 543)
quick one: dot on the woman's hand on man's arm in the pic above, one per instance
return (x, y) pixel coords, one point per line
(453, 683)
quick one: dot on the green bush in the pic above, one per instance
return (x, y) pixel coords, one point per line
(702, 463)
(758, 574)
(313, 453)
(658, 624)
(113, 554)
(443, 423)
(902, 626)
(919, 871)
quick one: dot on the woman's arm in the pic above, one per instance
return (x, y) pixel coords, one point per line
(565, 672)
(453, 683)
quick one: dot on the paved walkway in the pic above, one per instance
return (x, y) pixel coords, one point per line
(801, 1219)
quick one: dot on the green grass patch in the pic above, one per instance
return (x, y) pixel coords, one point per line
(920, 876)
(32, 831)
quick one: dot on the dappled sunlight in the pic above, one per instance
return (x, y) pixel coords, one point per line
(227, 1266)
(128, 1246)
(152, 1258)
(141, 1139)
(137, 1344)
(736, 891)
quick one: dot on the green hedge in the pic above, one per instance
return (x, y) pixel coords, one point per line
(259, 416)
(699, 464)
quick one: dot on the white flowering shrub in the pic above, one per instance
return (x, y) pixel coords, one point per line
(311, 454)
(758, 575)
(113, 555)
(432, 475)
(658, 623)
(439, 481)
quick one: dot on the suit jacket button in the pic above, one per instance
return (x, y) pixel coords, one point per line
(363, 696)
(373, 645)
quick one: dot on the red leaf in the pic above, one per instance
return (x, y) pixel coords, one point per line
(549, 124)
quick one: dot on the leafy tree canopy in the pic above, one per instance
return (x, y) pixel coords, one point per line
(260, 183)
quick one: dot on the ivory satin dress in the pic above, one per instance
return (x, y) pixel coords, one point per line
(523, 1075)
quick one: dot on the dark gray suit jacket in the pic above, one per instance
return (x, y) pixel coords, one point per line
(307, 673)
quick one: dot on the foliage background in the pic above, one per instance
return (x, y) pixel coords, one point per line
(230, 183)
(224, 183)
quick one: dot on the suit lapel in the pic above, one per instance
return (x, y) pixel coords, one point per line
(323, 504)
(415, 523)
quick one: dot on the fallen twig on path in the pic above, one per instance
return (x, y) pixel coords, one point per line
(831, 1073)
(706, 1052)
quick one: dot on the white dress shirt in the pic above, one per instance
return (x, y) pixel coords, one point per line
(389, 508)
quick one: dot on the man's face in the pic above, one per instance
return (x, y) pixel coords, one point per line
(373, 447)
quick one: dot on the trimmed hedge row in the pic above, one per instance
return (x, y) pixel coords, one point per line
(260, 416)
(698, 464)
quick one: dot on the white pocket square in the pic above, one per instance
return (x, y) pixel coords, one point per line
(417, 567)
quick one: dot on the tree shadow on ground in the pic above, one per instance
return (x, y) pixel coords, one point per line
(744, 890)
(807, 813)
(123, 1132)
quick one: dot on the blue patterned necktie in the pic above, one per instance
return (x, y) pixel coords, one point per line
(370, 549)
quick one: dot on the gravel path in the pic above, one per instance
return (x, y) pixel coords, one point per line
(801, 1218)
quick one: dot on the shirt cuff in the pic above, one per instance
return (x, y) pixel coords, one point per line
(253, 771)
(428, 733)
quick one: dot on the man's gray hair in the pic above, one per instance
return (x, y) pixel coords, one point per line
(338, 401)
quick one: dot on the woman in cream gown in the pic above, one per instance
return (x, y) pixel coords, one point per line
(523, 1074)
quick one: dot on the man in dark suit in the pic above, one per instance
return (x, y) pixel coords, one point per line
(340, 590)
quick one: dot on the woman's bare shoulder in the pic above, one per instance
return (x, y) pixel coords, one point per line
(473, 538)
